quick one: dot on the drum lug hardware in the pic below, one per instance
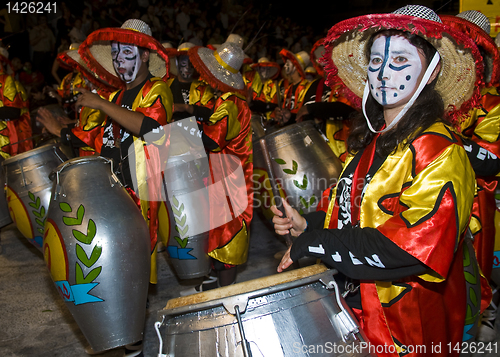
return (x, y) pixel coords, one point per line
(159, 324)
(231, 303)
(347, 326)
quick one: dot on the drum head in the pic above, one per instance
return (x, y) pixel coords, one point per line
(247, 286)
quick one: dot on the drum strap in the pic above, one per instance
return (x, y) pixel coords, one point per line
(360, 172)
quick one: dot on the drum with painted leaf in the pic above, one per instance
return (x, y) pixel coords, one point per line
(303, 167)
(28, 188)
(97, 248)
(280, 315)
(184, 216)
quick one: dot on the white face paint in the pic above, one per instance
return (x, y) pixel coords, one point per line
(126, 60)
(395, 70)
(289, 67)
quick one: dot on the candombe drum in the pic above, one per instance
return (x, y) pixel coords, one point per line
(28, 189)
(5, 218)
(303, 166)
(97, 248)
(280, 315)
(184, 217)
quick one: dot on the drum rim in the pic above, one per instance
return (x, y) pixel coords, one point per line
(288, 127)
(29, 153)
(323, 271)
(80, 160)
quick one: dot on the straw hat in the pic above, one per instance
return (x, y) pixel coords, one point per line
(300, 60)
(461, 68)
(220, 68)
(71, 60)
(265, 62)
(316, 53)
(477, 26)
(96, 49)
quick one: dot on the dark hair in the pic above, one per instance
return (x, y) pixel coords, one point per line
(427, 109)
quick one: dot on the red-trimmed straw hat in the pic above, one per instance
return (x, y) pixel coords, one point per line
(460, 77)
(316, 53)
(300, 60)
(220, 68)
(477, 26)
(265, 62)
(96, 50)
(71, 60)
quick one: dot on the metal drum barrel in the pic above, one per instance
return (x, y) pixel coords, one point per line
(28, 189)
(183, 217)
(97, 248)
(303, 166)
(281, 315)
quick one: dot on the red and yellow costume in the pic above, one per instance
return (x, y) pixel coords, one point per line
(23, 124)
(154, 100)
(483, 127)
(424, 211)
(200, 93)
(12, 94)
(229, 127)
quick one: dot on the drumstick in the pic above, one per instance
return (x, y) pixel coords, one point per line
(274, 187)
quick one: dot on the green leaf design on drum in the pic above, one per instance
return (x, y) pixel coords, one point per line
(180, 222)
(280, 161)
(82, 256)
(86, 239)
(293, 171)
(38, 211)
(91, 276)
(303, 185)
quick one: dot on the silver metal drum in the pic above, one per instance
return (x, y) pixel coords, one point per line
(97, 248)
(188, 217)
(5, 218)
(281, 315)
(303, 166)
(28, 189)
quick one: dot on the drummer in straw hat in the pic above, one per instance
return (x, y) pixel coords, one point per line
(396, 220)
(296, 92)
(81, 137)
(227, 137)
(186, 87)
(15, 122)
(129, 58)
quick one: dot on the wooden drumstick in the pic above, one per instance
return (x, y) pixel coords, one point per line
(274, 186)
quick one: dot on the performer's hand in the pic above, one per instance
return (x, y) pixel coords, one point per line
(300, 114)
(45, 117)
(286, 261)
(88, 99)
(293, 223)
(64, 120)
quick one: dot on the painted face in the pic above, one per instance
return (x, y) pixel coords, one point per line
(288, 67)
(186, 69)
(126, 60)
(395, 70)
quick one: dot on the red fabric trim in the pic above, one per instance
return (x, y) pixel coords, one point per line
(268, 64)
(205, 73)
(285, 54)
(481, 38)
(415, 25)
(314, 60)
